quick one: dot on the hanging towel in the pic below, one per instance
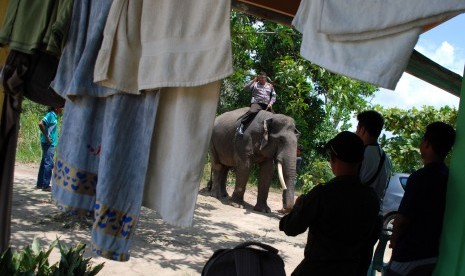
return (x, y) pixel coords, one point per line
(169, 43)
(379, 59)
(377, 18)
(75, 71)
(102, 163)
(179, 147)
(103, 151)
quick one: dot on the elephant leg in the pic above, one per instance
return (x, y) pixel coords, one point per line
(266, 173)
(242, 176)
(220, 174)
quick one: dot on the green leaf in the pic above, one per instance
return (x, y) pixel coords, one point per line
(36, 246)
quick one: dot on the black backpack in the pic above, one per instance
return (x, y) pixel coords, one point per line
(245, 260)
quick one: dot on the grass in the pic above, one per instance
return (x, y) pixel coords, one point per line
(28, 149)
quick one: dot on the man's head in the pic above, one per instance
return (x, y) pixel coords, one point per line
(346, 151)
(262, 78)
(57, 109)
(370, 124)
(437, 141)
(300, 148)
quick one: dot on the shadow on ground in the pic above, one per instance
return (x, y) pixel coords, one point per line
(155, 242)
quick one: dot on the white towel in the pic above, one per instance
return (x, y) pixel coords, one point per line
(379, 61)
(165, 43)
(181, 137)
(362, 19)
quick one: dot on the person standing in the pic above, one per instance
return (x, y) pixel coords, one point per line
(263, 98)
(48, 139)
(375, 172)
(418, 225)
(339, 214)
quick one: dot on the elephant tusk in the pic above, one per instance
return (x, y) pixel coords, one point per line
(280, 175)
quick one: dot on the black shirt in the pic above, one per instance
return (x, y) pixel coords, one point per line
(423, 205)
(340, 216)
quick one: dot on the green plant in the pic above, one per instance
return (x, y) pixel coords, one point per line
(34, 261)
(320, 173)
(72, 262)
(28, 148)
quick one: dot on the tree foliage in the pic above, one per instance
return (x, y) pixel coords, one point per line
(320, 102)
(407, 128)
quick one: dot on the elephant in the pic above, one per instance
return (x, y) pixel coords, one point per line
(268, 138)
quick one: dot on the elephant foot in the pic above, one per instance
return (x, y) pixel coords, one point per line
(237, 198)
(262, 208)
(235, 204)
(218, 194)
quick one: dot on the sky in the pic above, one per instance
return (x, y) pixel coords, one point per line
(444, 44)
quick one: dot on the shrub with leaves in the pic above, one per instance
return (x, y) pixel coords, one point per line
(34, 261)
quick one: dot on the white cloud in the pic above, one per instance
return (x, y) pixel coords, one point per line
(446, 55)
(413, 92)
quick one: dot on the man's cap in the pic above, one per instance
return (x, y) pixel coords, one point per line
(347, 146)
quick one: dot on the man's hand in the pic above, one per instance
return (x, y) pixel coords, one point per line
(49, 139)
(268, 107)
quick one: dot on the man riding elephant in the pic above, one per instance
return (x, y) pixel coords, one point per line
(263, 98)
(269, 138)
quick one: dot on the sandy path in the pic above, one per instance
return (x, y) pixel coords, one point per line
(158, 248)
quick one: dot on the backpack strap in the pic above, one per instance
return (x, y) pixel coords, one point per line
(248, 261)
(259, 244)
(381, 162)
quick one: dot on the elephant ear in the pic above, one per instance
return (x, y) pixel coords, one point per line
(266, 127)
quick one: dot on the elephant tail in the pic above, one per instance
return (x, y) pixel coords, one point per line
(210, 182)
(213, 161)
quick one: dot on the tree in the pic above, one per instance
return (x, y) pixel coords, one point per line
(320, 102)
(406, 128)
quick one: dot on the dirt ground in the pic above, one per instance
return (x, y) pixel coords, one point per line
(158, 248)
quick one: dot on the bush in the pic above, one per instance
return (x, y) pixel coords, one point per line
(320, 172)
(28, 149)
(34, 261)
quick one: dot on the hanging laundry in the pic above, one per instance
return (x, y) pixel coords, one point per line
(35, 31)
(380, 18)
(180, 142)
(11, 110)
(113, 139)
(30, 75)
(151, 44)
(30, 26)
(371, 44)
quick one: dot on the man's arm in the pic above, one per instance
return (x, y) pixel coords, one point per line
(249, 86)
(272, 97)
(408, 208)
(302, 214)
(44, 131)
(398, 228)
